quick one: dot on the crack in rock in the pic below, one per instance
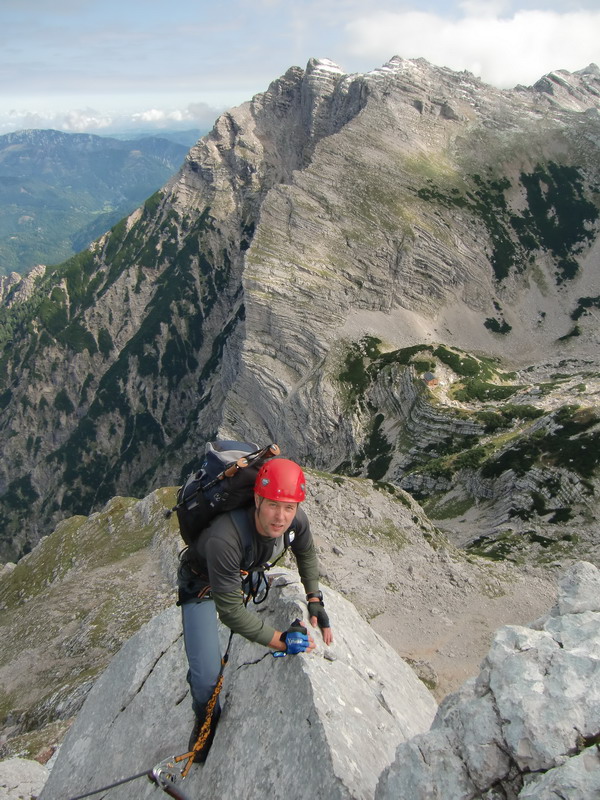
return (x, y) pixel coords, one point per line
(253, 663)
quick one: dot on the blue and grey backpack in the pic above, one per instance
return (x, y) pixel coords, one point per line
(224, 482)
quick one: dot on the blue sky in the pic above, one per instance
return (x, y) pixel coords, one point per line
(103, 66)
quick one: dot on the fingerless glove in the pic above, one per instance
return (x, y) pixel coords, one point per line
(317, 609)
(295, 638)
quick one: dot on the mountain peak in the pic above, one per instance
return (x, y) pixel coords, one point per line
(323, 65)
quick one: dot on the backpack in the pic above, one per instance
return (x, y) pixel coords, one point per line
(224, 482)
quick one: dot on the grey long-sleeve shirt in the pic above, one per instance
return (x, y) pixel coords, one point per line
(220, 553)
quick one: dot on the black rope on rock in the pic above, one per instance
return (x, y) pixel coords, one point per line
(146, 773)
(169, 788)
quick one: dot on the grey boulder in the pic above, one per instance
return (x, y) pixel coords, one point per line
(529, 725)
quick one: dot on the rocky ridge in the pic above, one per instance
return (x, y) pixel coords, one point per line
(527, 727)
(17, 289)
(67, 607)
(145, 316)
(342, 710)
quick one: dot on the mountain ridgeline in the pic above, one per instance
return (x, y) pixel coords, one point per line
(392, 274)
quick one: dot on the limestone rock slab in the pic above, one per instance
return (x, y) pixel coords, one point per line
(528, 725)
(20, 778)
(326, 723)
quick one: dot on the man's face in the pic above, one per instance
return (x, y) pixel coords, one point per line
(273, 517)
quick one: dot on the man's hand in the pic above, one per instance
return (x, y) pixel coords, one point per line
(296, 642)
(294, 645)
(318, 616)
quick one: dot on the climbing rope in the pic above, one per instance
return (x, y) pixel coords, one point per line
(210, 711)
(205, 729)
(146, 774)
(163, 774)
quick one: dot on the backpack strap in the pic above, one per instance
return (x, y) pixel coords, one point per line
(252, 580)
(243, 526)
(245, 531)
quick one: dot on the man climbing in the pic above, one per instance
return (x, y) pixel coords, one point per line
(211, 581)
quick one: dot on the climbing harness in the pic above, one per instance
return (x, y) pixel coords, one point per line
(255, 585)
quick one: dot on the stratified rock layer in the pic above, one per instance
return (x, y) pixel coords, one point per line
(406, 203)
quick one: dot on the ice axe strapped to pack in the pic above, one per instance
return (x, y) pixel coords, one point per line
(225, 481)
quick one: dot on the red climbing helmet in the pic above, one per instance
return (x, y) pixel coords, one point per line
(281, 479)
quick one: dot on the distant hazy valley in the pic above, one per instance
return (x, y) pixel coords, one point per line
(60, 191)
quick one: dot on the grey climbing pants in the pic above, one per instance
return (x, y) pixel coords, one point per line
(201, 638)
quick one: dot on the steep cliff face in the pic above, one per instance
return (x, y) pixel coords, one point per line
(445, 212)
(442, 205)
(116, 364)
(412, 203)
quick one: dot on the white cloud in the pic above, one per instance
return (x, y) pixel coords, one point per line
(195, 115)
(151, 115)
(77, 120)
(85, 120)
(501, 50)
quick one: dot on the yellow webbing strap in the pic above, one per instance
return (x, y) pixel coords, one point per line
(204, 730)
(210, 710)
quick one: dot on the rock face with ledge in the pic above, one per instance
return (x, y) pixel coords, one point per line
(325, 725)
(529, 725)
